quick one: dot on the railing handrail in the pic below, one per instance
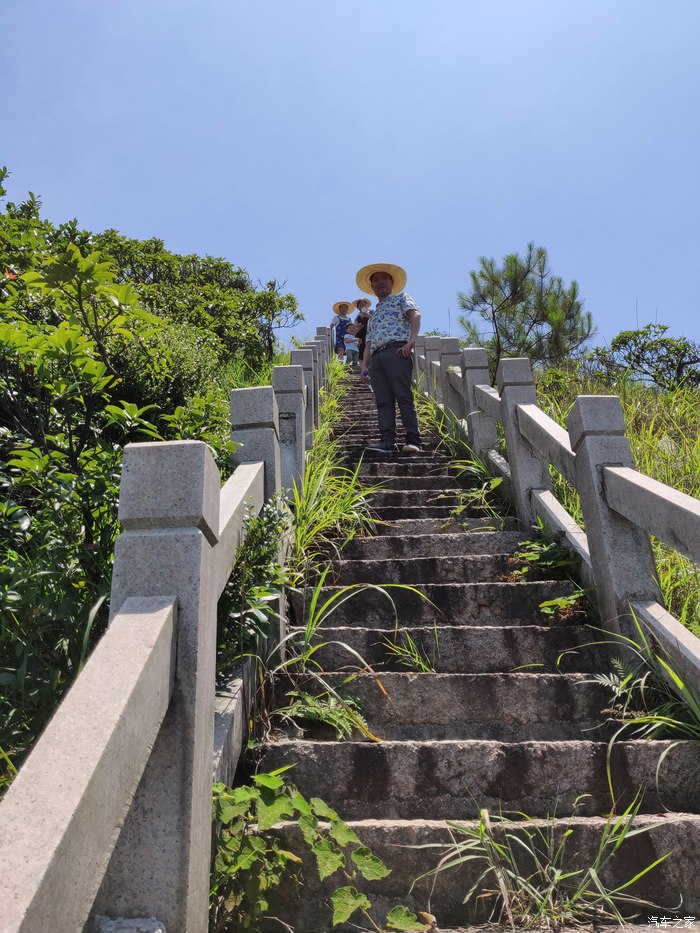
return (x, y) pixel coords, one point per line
(59, 816)
(621, 506)
(670, 515)
(111, 812)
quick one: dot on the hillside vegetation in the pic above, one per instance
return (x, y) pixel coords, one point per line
(103, 340)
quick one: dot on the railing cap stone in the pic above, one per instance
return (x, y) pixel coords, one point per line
(255, 406)
(595, 414)
(475, 358)
(450, 345)
(288, 378)
(302, 356)
(173, 484)
(514, 371)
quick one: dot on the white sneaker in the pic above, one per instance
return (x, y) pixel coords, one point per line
(410, 449)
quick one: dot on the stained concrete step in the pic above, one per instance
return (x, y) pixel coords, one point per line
(404, 466)
(429, 526)
(447, 603)
(473, 568)
(393, 512)
(455, 779)
(427, 485)
(499, 707)
(465, 650)
(414, 498)
(402, 845)
(432, 545)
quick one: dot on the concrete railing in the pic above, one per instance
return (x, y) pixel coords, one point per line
(620, 506)
(110, 816)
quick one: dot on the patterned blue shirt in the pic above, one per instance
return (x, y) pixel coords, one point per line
(389, 322)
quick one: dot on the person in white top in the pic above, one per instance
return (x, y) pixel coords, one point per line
(340, 321)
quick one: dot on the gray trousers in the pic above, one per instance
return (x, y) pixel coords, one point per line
(391, 381)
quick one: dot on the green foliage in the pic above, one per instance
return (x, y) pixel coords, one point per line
(650, 699)
(408, 654)
(331, 504)
(664, 433)
(649, 355)
(529, 872)
(256, 583)
(341, 714)
(252, 872)
(527, 310)
(568, 608)
(95, 353)
(545, 556)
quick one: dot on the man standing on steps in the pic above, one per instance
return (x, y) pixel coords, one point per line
(388, 357)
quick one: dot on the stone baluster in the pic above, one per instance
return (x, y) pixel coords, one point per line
(451, 356)
(528, 469)
(419, 359)
(305, 359)
(481, 428)
(432, 355)
(318, 377)
(169, 507)
(290, 392)
(255, 426)
(621, 555)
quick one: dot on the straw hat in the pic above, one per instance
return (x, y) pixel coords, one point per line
(356, 304)
(396, 272)
(336, 306)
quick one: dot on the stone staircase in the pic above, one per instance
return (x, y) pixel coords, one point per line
(499, 725)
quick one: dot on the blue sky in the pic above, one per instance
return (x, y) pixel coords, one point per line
(302, 139)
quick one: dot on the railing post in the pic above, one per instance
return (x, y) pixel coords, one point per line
(169, 507)
(528, 469)
(316, 370)
(432, 355)
(305, 359)
(255, 426)
(419, 358)
(621, 555)
(290, 392)
(451, 356)
(481, 428)
(323, 335)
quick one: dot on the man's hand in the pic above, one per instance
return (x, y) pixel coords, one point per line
(407, 348)
(364, 375)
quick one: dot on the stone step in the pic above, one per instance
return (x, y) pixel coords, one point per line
(393, 512)
(404, 466)
(454, 649)
(472, 568)
(429, 526)
(403, 845)
(426, 485)
(447, 603)
(455, 779)
(497, 707)
(389, 546)
(414, 498)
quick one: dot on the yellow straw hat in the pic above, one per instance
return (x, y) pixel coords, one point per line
(396, 272)
(336, 306)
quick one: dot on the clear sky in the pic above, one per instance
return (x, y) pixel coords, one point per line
(302, 139)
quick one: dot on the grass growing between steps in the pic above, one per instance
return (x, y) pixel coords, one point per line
(332, 502)
(530, 879)
(483, 493)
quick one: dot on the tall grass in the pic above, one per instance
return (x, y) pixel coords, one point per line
(664, 432)
(331, 503)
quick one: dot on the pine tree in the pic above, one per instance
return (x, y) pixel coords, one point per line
(527, 310)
